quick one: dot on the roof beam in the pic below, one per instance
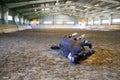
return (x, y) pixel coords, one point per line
(19, 4)
(98, 8)
(29, 9)
(79, 4)
(29, 13)
(33, 16)
(111, 1)
(96, 11)
(88, 12)
(100, 14)
(37, 12)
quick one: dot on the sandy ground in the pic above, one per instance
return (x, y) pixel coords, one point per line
(26, 55)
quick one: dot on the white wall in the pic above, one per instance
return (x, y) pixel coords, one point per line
(93, 23)
(58, 19)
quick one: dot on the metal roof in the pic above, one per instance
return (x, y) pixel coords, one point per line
(79, 8)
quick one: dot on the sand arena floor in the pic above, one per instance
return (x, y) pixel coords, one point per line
(26, 55)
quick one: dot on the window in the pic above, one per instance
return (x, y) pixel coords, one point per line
(90, 23)
(59, 22)
(17, 19)
(96, 22)
(116, 20)
(79, 23)
(105, 21)
(47, 22)
(10, 18)
(71, 22)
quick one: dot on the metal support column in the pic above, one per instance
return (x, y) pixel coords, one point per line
(110, 19)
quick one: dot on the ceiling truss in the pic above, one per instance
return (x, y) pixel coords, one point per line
(34, 8)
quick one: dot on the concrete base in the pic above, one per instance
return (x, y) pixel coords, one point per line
(13, 28)
(114, 27)
(104, 27)
(9, 28)
(23, 27)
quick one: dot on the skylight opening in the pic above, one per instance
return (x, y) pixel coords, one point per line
(118, 7)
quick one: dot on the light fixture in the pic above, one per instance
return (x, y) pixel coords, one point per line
(68, 2)
(47, 9)
(118, 7)
(87, 7)
(35, 10)
(112, 12)
(43, 9)
(96, 5)
(72, 7)
(105, 11)
(57, 2)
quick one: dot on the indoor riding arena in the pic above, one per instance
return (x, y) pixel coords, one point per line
(28, 29)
